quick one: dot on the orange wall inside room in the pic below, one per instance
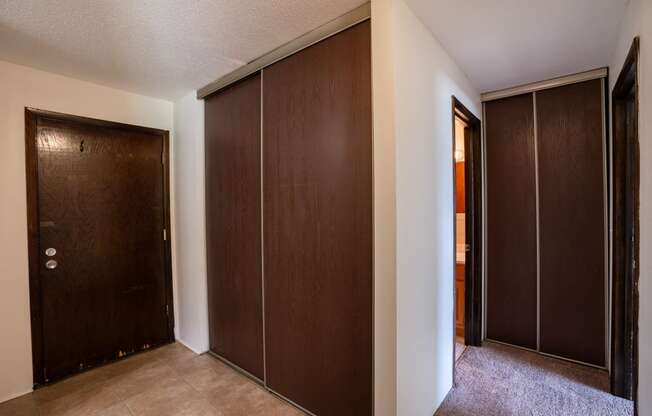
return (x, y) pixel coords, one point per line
(459, 188)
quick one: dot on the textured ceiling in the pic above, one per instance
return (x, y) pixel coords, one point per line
(161, 48)
(503, 43)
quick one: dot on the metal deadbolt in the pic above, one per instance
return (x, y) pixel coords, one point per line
(50, 252)
(51, 264)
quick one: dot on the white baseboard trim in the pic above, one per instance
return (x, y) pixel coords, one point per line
(14, 396)
(187, 345)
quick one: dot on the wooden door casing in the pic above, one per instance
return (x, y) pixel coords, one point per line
(317, 174)
(473, 203)
(626, 229)
(233, 224)
(98, 194)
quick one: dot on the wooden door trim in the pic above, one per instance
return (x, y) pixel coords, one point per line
(473, 213)
(32, 116)
(625, 307)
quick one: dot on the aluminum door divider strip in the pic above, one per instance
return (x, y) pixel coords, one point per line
(285, 399)
(545, 354)
(537, 211)
(544, 85)
(335, 26)
(236, 367)
(570, 360)
(507, 344)
(484, 223)
(607, 234)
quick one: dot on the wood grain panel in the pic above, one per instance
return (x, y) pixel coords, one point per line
(511, 222)
(101, 205)
(233, 224)
(460, 191)
(571, 190)
(460, 295)
(318, 225)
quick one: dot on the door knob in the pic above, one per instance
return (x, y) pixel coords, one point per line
(50, 252)
(51, 264)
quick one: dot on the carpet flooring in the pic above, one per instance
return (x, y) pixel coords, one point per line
(498, 380)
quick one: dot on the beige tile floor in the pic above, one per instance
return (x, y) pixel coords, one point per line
(171, 380)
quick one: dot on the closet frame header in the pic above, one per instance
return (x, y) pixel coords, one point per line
(544, 85)
(335, 26)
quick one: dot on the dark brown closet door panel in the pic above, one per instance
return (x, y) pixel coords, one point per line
(318, 225)
(571, 195)
(511, 222)
(233, 224)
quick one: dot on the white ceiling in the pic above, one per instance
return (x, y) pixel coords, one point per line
(165, 48)
(161, 48)
(504, 43)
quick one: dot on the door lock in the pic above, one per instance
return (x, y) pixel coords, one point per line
(51, 264)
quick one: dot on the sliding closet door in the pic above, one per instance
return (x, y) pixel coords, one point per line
(572, 215)
(317, 184)
(233, 224)
(511, 221)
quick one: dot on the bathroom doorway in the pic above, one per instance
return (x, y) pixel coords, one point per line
(460, 235)
(467, 174)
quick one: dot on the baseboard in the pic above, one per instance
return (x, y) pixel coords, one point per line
(14, 396)
(185, 344)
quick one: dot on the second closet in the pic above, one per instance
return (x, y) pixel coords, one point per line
(289, 225)
(547, 287)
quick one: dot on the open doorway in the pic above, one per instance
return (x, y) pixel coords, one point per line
(467, 174)
(460, 235)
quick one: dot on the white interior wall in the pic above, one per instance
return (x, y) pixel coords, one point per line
(192, 324)
(638, 22)
(645, 137)
(425, 79)
(384, 162)
(25, 87)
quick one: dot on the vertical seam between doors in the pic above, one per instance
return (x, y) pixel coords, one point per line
(538, 216)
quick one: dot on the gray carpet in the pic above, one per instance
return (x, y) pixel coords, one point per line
(497, 380)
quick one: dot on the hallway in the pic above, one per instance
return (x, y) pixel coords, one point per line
(498, 380)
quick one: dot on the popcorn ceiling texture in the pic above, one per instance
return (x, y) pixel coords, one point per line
(160, 48)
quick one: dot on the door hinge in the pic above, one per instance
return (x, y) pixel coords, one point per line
(45, 374)
(167, 310)
(165, 235)
(162, 158)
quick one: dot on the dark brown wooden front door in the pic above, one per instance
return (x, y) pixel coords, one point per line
(102, 249)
